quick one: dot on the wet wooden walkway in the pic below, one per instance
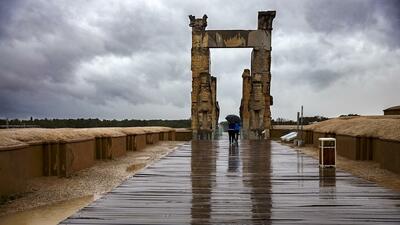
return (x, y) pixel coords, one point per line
(257, 182)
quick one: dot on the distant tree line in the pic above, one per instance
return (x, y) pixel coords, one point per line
(306, 120)
(349, 115)
(87, 123)
(281, 121)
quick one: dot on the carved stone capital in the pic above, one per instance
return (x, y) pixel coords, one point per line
(246, 73)
(265, 19)
(198, 24)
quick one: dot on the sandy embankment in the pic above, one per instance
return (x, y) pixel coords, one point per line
(83, 185)
(381, 127)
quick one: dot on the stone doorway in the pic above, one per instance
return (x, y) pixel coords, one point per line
(256, 99)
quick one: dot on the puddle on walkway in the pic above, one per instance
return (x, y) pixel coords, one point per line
(46, 215)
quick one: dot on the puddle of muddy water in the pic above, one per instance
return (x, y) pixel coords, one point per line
(46, 215)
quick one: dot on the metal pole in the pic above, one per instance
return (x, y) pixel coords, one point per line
(298, 123)
(302, 121)
(301, 118)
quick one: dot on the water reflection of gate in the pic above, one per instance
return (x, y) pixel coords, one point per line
(257, 176)
(230, 183)
(203, 179)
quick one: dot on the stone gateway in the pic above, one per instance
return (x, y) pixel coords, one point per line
(255, 110)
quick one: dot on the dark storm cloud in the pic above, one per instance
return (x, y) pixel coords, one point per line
(340, 16)
(139, 30)
(50, 41)
(340, 39)
(132, 58)
(391, 11)
(379, 19)
(322, 78)
(7, 8)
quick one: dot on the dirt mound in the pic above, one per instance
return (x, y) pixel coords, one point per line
(383, 127)
(26, 136)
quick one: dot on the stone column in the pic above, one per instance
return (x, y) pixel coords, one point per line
(244, 106)
(260, 67)
(200, 63)
(215, 109)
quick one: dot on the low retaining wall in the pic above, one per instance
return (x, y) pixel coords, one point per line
(152, 138)
(172, 135)
(277, 133)
(80, 155)
(183, 135)
(140, 142)
(385, 152)
(18, 164)
(61, 158)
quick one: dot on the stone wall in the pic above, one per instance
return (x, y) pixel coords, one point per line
(64, 157)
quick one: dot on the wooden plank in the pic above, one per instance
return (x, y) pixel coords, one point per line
(257, 182)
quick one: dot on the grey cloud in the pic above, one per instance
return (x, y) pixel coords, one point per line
(7, 8)
(90, 58)
(139, 30)
(379, 19)
(340, 16)
(46, 49)
(321, 78)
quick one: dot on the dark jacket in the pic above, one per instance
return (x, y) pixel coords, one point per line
(231, 126)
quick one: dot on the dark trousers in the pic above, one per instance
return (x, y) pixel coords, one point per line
(237, 135)
(231, 136)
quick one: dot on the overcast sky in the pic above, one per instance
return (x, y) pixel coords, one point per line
(131, 59)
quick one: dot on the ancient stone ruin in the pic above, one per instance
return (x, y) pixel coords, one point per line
(256, 100)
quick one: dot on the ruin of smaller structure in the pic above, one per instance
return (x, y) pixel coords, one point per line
(395, 110)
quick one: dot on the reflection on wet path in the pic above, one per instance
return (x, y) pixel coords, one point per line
(203, 168)
(256, 182)
(303, 193)
(256, 175)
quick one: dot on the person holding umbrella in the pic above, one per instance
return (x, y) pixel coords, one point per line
(236, 132)
(233, 126)
(231, 132)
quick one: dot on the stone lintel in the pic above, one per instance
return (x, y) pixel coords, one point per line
(259, 39)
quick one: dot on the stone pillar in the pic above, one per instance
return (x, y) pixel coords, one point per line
(215, 109)
(261, 78)
(244, 105)
(200, 64)
(205, 107)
